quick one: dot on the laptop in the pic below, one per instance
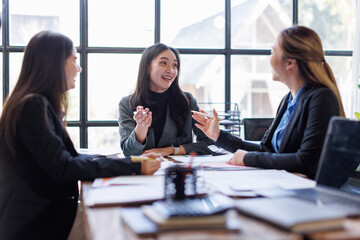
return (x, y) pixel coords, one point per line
(338, 174)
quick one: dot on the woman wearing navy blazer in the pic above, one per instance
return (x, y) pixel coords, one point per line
(39, 167)
(294, 140)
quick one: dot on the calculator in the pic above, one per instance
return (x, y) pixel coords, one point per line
(204, 206)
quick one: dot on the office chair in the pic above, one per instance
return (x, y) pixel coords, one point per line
(255, 128)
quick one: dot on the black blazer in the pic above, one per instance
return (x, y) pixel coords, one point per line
(38, 186)
(303, 138)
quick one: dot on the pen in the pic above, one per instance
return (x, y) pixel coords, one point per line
(204, 114)
(142, 112)
(142, 158)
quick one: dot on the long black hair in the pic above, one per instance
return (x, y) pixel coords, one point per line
(179, 104)
(42, 73)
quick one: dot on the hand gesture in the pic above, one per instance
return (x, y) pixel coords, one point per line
(209, 125)
(143, 118)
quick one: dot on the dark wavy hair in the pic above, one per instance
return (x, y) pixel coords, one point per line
(42, 73)
(179, 104)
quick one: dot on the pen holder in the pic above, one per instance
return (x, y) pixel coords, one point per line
(180, 182)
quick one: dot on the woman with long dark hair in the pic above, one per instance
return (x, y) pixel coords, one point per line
(39, 167)
(157, 118)
(294, 140)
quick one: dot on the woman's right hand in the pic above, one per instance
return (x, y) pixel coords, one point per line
(149, 167)
(143, 118)
(210, 126)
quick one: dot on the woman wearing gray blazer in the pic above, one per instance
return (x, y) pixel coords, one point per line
(157, 118)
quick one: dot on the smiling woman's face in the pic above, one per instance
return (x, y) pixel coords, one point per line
(163, 71)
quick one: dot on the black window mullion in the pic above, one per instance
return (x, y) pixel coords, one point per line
(83, 75)
(295, 12)
(227, 54)
(157, 21)
(5, 50)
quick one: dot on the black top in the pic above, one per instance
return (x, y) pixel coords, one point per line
(159, 112)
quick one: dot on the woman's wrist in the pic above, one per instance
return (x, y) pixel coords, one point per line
(140, 134)
(216, 136)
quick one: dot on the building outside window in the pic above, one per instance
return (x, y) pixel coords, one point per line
(224, 45)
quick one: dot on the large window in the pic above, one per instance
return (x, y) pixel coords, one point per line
(224, 45)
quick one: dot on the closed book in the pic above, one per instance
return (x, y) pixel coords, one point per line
(208, 211)
(214, 221)
(296, 215)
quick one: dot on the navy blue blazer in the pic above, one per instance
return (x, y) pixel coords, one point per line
(38, 186)
(303, 138)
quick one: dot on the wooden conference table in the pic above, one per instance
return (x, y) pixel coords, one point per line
(105, 223)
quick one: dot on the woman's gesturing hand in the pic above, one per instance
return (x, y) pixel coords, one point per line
(209, 125)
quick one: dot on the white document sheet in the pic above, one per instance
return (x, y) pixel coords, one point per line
(202, 158)
(232, 183)
(118, 195)
(124, 190)
(128, 180)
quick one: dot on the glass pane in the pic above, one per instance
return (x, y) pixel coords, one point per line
(15, 60)
(193, 24)
(255, 24)
(30, 17)
(74, 101)
(74, 133)
(1, 25)
(114, 23)
(252, 86)
(333, 20)
(104, 138)
(204, 77)
(110, 77)
(341, 67)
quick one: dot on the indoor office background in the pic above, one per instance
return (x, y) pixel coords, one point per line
(224, 45)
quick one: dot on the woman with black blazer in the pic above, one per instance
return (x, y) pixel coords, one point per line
(39, 167)
(294, 140)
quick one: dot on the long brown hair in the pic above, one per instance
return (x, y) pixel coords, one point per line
(179, 104)
(304, 45)
(42, 73)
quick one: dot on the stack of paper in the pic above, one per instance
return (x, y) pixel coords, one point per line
(125, 190)
(235, 183)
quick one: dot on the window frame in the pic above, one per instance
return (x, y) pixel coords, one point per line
(83, 123)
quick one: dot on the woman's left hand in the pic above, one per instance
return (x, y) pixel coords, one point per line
(166, 151)
(238, 158)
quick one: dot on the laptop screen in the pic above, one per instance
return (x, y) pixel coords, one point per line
(339, 164)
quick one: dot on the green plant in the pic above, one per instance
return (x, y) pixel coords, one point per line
(357, 115)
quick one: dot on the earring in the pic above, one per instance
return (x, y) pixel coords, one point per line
(287, 68)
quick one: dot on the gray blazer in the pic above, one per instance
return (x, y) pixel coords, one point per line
(131, 146)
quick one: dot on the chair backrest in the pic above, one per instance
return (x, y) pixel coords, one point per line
(255, 128)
